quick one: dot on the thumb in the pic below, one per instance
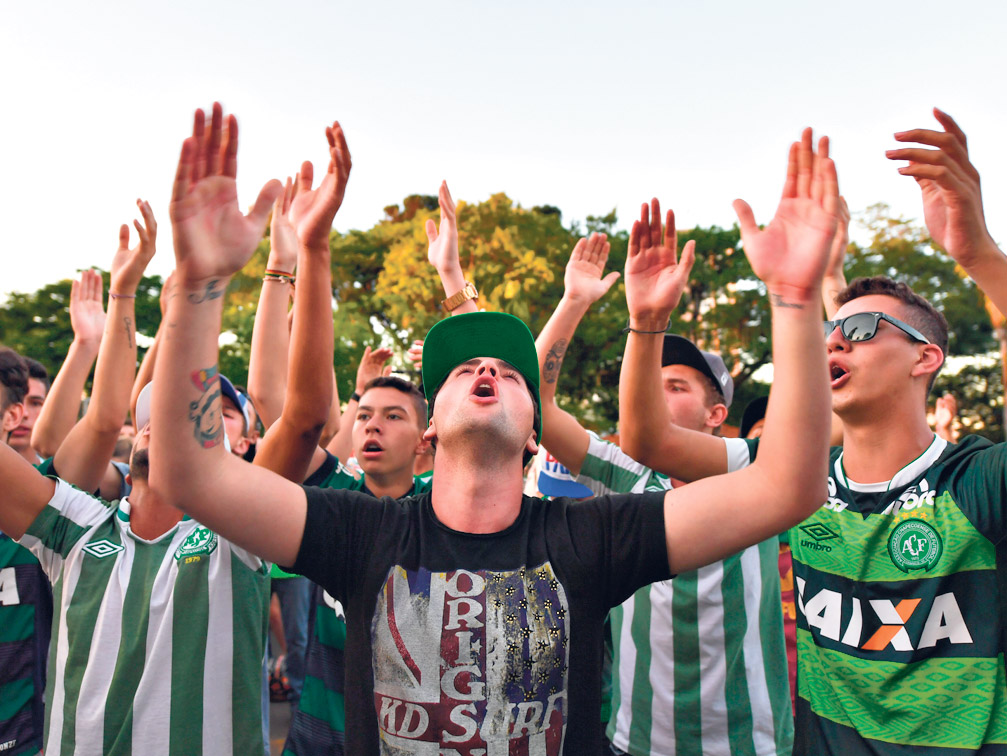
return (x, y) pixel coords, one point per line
(123, 236)
(259, 214)
(746, 218)
(688, 256)
(431, 229)
(387, 370)
(610, 279)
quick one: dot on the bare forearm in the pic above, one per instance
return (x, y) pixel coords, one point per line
(643, 416)
(187, 427)
(453, 281)
(309, 375)
(562, 435)
(62, 403)
(990, 274)
(267, 363)
(334, 420)
(794, 445)
(116, 368)
(831, 286)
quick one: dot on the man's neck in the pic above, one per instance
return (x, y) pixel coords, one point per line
(149, 518)
(874, 451)
(394, 484)
(476, 499)
(30, 455)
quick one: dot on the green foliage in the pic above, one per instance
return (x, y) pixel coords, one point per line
(37, 325)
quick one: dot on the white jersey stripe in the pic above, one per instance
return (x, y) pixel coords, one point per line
(662, 668)
(218, 733)
(626, 669)
(713, 670)
(764, 734)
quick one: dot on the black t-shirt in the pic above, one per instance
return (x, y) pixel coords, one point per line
(457, 639)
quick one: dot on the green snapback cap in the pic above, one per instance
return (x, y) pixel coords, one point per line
(460, 338)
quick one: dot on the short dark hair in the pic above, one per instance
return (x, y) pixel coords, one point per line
(37, 371)
(408, 388)
(13, 378)
(919, 313)
(536, 418)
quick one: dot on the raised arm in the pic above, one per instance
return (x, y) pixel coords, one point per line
(145, 373)
(83, 457)
(655, 279)
(26, 492)
(62, 403)
(584, 285)
(835, 278)
(443, 251)
(267, 362)
(189, 468)
(291, 444)
(786, 483)
(953, 203)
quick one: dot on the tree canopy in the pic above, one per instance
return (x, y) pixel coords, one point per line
(385, 291)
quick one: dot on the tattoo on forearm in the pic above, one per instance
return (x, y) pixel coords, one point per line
(212, 291)
(554, 360)
(207, 421)
(203, 379)
(128, 322)
(779, 301)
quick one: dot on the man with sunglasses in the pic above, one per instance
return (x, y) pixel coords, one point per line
(898, 576)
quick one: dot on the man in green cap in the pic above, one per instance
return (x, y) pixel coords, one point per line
(474, 614)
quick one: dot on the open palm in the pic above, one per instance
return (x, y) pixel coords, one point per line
(655, 277)
(313, 210)
(213, 239)
(582, 280)
(443, 250)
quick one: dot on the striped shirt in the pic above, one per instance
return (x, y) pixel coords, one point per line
(157, 646)
(700, 665)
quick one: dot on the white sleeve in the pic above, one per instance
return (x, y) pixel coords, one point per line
(738, 454)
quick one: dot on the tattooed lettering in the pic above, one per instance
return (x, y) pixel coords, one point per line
(210, 292)
(554, 360)
(779, 301)
(203, 379)
(128, 322)
(207, 422)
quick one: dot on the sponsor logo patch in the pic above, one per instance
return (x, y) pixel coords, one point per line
(915, 545)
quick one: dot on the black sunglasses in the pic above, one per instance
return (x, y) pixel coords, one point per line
(863, 326)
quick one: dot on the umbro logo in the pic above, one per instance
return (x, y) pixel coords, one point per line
(819, 531)
(103, 548)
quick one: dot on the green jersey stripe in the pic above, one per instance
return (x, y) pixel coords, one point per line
(189, 628)
(684, 622)
(13, 696)
(249, 631)
(736, 636)
(642, 693)
(19, 623)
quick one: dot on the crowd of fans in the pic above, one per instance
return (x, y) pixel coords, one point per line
(460, 567)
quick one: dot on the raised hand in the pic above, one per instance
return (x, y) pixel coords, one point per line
(415, 355)
(282, 234)
(372, 365)
(790, 254)
(128, 264)
(582, 280)
(952, 198)
(655, 277)
(213, 239)
(87, 316)
(165, 293)
(313, 210)
(840, 241)
(443, 250)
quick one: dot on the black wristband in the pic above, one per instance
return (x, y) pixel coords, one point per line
(354, 397)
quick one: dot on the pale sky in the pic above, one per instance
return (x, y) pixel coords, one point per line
(585, 106)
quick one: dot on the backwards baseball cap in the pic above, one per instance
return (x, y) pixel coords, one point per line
(461, 338)
(754, 412)
(678, 350)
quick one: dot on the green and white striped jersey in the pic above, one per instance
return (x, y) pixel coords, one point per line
(700, 664)
(157, 646)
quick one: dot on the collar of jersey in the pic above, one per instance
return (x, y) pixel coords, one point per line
(123, 512)
(903, 477)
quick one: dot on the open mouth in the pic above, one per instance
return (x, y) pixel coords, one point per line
(372, 447)
(837, 374)
(485, 388)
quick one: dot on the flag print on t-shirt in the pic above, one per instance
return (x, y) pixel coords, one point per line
(471, 663)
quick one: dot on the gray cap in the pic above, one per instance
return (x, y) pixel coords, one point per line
(678, 350)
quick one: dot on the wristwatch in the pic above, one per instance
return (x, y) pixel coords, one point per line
(457, 300)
